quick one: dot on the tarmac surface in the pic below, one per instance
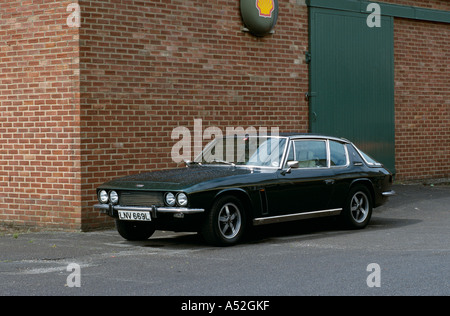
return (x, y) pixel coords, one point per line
(405, 250)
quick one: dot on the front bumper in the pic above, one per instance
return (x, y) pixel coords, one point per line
(112, 210)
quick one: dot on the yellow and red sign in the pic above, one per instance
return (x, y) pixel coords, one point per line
(265, 7)
(259, 16)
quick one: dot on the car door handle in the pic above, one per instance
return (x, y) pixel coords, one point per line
(329, 181)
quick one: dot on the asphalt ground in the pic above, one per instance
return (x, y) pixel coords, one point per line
(404, 251)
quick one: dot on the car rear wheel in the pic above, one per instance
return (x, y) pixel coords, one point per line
(225, 223)
(134, 231)
(358, 208)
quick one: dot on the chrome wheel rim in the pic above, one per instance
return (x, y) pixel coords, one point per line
(359, 207)
(229, 220)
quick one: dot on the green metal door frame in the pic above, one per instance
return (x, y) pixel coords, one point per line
(387, 9)
(355, 8)
(328, 94)
(352, 80)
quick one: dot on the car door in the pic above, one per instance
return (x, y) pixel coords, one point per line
(307, 186)
(340, 165)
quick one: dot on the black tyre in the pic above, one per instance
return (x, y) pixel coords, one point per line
(225, 223)
(358, 208)
(134, 231)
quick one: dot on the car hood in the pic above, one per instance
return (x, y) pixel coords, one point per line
(179, 179)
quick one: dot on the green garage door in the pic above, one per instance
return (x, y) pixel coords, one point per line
(352, 80)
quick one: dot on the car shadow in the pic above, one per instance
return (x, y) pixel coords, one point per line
(171, 240)
(320, 227)
(310, 229)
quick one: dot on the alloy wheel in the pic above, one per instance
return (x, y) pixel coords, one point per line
(229, 220)
(359, 207)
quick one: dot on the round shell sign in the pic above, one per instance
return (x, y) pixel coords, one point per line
(259, 16)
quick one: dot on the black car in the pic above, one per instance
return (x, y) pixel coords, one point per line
(239, 181)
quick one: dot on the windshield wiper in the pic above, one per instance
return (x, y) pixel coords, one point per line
(189, 163)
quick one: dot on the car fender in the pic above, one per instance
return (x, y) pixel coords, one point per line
(366, 182)
(242, 194)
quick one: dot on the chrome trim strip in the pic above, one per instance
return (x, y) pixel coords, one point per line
(389, 193)
(182, 210)
(294, 217)
(132, 208)
(328, 153)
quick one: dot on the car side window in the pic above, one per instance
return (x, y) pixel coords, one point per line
(308, 153)
(338, 155)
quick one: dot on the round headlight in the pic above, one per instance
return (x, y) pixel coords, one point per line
(170, 199)
(182, 199)
(114, 197)
(103, 196)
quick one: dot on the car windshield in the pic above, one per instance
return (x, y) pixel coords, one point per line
(258, 151)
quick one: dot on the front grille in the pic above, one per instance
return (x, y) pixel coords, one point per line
(141, 198)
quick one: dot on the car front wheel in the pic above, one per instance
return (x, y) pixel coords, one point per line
(358, 208)
(134, 231)
(225, 223)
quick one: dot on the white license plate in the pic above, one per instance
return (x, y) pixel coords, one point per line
(135, 216)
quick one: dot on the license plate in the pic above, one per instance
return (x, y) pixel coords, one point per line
(134, 216)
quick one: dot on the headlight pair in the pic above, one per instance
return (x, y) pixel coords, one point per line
(104, 197)
(180, 199)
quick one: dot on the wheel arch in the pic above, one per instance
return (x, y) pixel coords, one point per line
(242, 195)
(368, 184)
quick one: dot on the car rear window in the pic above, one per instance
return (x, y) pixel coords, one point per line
(338, 154)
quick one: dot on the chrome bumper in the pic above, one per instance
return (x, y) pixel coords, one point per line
(388, 193)
(111, 210)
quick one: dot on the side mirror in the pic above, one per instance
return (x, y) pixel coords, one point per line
(290, 164)
(187, 162)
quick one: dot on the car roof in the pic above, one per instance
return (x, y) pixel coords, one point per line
(296, 136)
(312, 135)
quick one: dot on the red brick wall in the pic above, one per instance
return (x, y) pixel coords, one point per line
(150, 66)
(39, 115)
(422, 94)
(422, 99)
